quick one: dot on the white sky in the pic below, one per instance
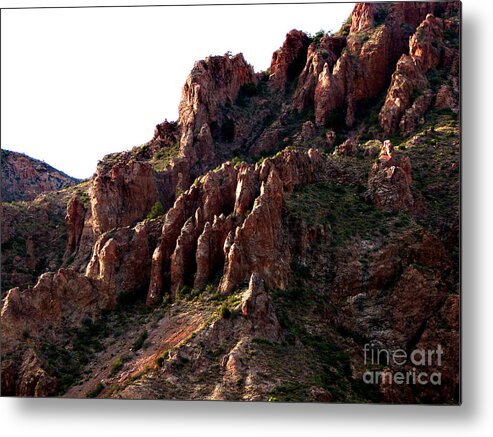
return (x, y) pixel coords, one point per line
(80, 83)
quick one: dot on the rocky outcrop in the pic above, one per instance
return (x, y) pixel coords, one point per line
(389, 181)
(122, 195)
(447, 97)
(27, 378)
(347, 148)
(24, 178)
(410, 94)
(167, 133)
(126, 187)
(257, 307)
(209, 257)
(406, 78)
(331, 89)
(327, 79)
(289, 60)
(118, 271)
(324, 52)
(414, 115)
(33, 380)
(212, 83)
(74, 220)
(376, 40)
(251, 269)
(121, 260)
(257, 243)
(370, 279)
(62, 297)
(363, 17)
(224, 225)
(81, 254)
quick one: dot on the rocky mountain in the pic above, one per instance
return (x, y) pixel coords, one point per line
(24, 178)
(254, 248)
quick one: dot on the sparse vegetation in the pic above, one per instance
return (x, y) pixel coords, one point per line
(140, 341)
(96, 391)
(166, 300)
(342, 209)
(161, 158)
(346, 26)
(116, 366)
(247, 91)
(236, 160)
(224, 311)
(162, 358)
(156, 211)
(318, 36)
(188, 293)
(84, 198)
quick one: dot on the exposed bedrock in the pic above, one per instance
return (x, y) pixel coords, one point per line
(230, 224)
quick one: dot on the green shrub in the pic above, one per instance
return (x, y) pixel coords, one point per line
(140, 341)
(346, 26)
(166, 300)
(224, 311)
(162, 358)
(249, 89)
(84, 198)
(184, 292)
(197, 181)
(318, 36)
(210, 289)
(116, 366)
(96, 391)
(437, 77)
(156, 211)
(300, 270)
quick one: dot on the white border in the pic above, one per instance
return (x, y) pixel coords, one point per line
(152, 418)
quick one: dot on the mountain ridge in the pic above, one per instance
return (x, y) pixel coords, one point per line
(24, 177)
(307, 211)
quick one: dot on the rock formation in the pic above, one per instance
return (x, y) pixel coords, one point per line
(343, 72)
(389, 181)
(74, 219)
(225, 223)
(212, 84)
(253, 246)
(123, 195)
(257, 307)
(288, 61)
(56, 298)
(409, 94)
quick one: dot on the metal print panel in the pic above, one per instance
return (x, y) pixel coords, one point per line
(291, 236)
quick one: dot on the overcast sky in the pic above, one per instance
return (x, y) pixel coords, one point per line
(80, 83)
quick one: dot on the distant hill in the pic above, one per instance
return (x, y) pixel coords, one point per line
(23, 177)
